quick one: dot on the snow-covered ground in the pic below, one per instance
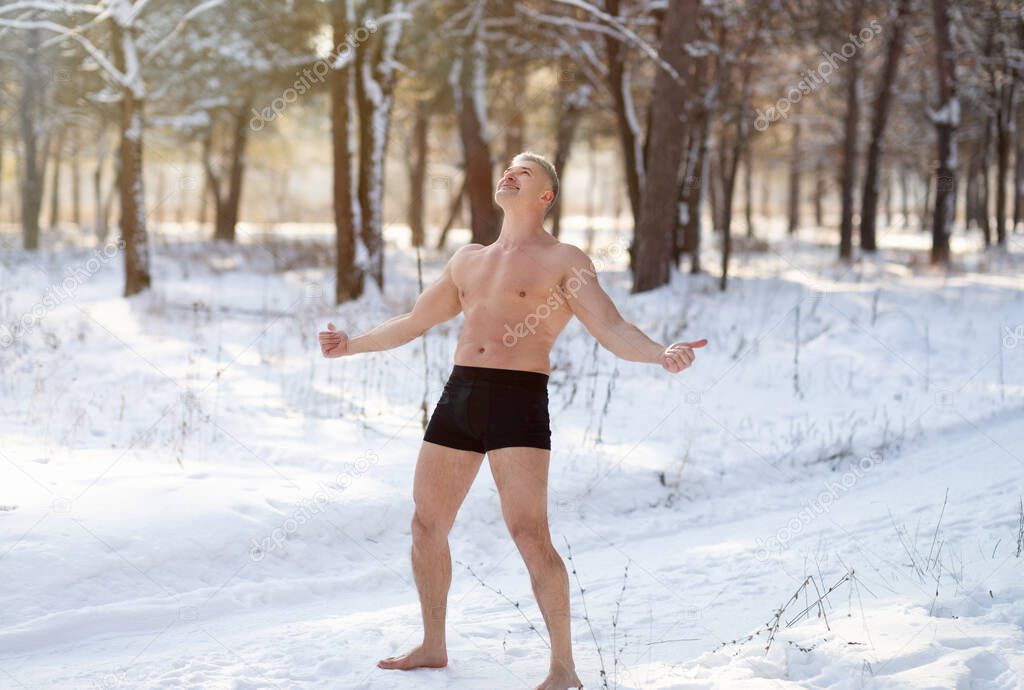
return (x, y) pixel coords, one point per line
(190, 496)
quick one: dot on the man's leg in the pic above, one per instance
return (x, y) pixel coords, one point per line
(442, 480)
(521, 475)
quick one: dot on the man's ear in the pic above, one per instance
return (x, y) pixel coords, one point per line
(547, 196)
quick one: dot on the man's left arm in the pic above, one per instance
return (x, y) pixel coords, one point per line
(599, 315)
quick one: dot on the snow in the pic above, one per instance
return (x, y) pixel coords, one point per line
(454, 81)
(948, 114)
(190, 496)
(134, 130)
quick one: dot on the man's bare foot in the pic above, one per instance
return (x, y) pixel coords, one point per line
(561, 680)
(420, 657)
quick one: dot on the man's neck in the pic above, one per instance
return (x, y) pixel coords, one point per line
(517, 229)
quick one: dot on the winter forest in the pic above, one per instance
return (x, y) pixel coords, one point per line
(830, 191)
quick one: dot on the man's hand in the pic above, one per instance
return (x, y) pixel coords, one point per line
(333, 343)
(679, 356)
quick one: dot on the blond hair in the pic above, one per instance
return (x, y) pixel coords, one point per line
(549, 170)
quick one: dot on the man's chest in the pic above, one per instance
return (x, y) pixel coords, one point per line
(517, 278)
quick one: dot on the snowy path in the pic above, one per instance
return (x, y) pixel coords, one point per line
(694, 575)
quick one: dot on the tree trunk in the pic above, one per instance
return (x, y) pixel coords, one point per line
(58, 146)
(695, 225)
(179, 206)
(213, 180)
(653, 259)
(31, 177)
(348, 276)
(946, 122)
(730, 166)
(926, 207)
(879, 119)
(972, 219)
(794, 179)
(714, 190)
(76, 176)
(100, 223)
(210, 186)
(134, 234)
(819, 197)
(625, 114)
(681, 240)
(369, 143)
(108, 202)
(484, 220)
(157, 215)
(592, 179)
(984, 190)
(227, 207)
(453, 212)
(132, 200)
(887, 198)
(767, 209)
(570, 107)
(1018, 174)
(695, 172)
(418, 172)
(375, 68)
(1004, 125)
(904, 197)
(848, 177)
(748, 190)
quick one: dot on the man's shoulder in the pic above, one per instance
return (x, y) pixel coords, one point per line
(471, 247)
(463, 251)
(572, 256)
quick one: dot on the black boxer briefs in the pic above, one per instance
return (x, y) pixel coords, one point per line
(484, 409)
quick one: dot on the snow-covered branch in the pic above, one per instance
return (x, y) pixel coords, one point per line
(570, 22)
(136, 11)
(190, 15)
(626, 32)
(61, 7)
(66, 32)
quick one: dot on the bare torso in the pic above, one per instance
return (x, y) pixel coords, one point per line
(513, 303)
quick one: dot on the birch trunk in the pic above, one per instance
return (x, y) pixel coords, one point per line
(348, 276)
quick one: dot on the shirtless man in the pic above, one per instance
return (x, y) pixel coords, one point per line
(517, 295)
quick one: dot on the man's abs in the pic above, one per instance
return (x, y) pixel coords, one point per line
(488, 350)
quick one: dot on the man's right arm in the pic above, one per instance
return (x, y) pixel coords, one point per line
(599, 315)
(437, 304)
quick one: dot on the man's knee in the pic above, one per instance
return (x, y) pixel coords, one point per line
(427, 527)
(534, 542)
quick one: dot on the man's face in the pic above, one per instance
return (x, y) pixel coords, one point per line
(523, 184)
